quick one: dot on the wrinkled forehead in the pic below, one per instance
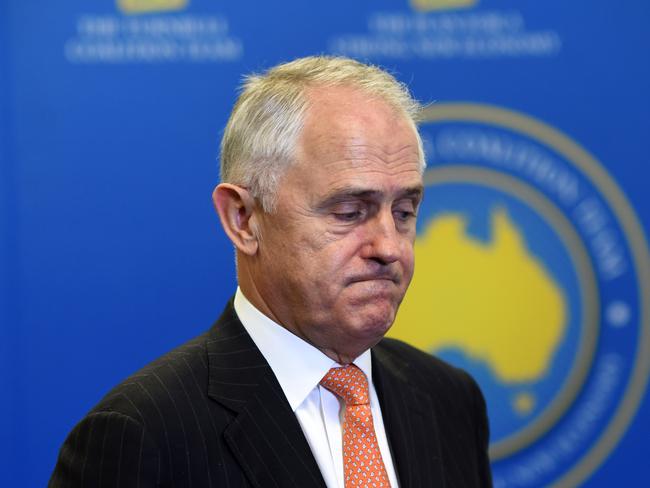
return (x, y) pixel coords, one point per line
(370, 149)
(358, 152)
(351, 122)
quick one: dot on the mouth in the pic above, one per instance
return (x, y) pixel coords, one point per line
(374, 290)
(376, 277)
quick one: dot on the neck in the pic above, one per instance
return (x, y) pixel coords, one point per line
(252, 293)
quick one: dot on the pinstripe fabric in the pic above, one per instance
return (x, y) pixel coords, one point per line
(435, 419)
(212, 414)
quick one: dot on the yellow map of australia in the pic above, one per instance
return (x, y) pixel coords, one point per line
(494, 301)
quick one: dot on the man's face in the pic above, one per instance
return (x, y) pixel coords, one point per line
(336, 256)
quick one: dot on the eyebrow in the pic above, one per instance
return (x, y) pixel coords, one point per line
(338, 196)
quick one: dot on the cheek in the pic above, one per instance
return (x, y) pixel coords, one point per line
(327, 251)
(408, 262)
(315, 261)
(409, 257)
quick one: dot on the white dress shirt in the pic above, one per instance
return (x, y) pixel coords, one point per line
(299, 367)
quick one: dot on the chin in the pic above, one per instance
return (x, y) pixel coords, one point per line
(368, 317)
(374, 323)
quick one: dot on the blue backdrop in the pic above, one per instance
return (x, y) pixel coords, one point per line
(111, 113)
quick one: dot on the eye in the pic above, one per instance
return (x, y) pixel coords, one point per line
(404, 216)
(348, 216)
(351, 216)
(404, 211)
(349, 212)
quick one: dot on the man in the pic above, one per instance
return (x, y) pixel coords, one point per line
(294, 386)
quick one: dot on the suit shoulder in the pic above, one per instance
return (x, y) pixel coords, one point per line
(426, 369)
(180, 373)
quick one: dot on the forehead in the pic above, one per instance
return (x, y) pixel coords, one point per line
(346, 110)
(348, 131)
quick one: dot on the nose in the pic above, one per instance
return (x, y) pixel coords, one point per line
(384, 243)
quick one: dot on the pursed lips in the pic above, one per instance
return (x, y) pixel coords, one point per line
(393, 277)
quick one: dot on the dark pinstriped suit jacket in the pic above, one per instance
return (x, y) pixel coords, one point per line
(212, 414)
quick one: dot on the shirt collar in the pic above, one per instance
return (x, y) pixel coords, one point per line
(299, 371)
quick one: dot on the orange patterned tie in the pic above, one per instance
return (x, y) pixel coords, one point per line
(362, 463)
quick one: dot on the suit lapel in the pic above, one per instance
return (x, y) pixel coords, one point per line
(265, 436)
(410, 422)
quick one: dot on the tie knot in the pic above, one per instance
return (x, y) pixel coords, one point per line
(349, 383)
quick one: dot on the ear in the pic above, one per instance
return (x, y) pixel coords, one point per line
(236, 208)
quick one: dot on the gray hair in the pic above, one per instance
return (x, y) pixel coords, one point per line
(260, 139)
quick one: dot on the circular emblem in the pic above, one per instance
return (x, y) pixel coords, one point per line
(533, 275)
